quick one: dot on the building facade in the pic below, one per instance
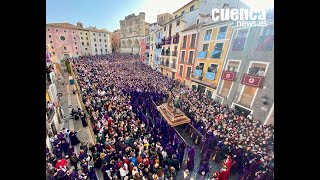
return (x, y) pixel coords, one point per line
(152, 35)
(132, 30)
(212, 48)
(63, 40)
(115, 41)
(247, 80)
(157, 49)
(100, 41)
(84, 36)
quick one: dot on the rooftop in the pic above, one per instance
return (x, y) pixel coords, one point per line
(184, 6)
(71, 26)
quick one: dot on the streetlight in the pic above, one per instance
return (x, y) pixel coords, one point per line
(264, 99)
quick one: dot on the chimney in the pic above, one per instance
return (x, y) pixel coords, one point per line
(79, 24)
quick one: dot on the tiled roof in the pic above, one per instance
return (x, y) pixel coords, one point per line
(71, 26)
(65, 25)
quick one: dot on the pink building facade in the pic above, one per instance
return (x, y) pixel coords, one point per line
(143, 50)
(63, 40)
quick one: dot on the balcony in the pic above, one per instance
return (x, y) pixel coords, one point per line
(221, 35)
(174, 53)
(163, 41)
(176, 39)
(198, 72)
(207, 37)
(210, 75)
(199, 79)
(168, 40)
(168, 52)
(202, 54)
(158, 45)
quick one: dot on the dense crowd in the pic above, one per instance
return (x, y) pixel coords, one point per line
(133, 141)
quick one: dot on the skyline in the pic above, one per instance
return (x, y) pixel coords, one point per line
(105, 14)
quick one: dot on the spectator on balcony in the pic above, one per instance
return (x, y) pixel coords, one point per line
(260, 72)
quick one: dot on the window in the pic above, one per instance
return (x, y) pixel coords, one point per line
(191, 8)
(193, 41)
(266, 38)
(100, 40)
(182, 12)
(86, 33)
(205, 47)
(49, 36)
(212, 71)
(94, 39)
(257, 69)
(184, 42)
(87, 38)
(222, 32)
(105, 45)
(104, 35)
(74, 38)
(53, 53)
(207, 36)
(105, 40)
(208, 32)
(73, 32)
(247, 96)
(181, 70)
(165, 28)
(178, 23)
(233, 66)
(65, 48)
(52, 47)
(76, 47)
(57, 30)
(188, 72)
(75, 43)
(183, 53)
(198, 20)
(101, 50)
(81, 33)
(240, 40)
(51, 42)
(213, 68)
(77, 53)
(62, 38)
(216, 53)
(65, 31)
(96, 50)
(225, 88)
(95, 45)
(86, 49)
(88, 44)
(190, 60)
(106, 50)
(100, 35)
(94, 34)
(83, 43)
(81, 38)
(48, 29)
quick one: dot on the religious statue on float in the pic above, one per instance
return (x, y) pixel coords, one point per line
(176, 104)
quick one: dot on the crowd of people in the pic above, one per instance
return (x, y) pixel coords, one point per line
(120, 94)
